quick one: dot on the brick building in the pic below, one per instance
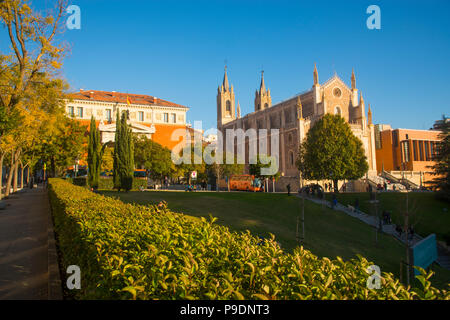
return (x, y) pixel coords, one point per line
(407, 153)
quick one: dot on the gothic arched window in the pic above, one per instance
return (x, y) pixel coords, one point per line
(228, 108)
(266, 106)
(337, 110)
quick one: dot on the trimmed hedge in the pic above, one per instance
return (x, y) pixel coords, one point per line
(130, 251)
(107, 183)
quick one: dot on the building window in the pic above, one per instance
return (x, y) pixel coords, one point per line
(166, 117)
(108, 115)
(337, 111)
(287, 116)
(405, 149)
(395, 138)
(432, 150)
(266, 106)
(415, 150)
(228, 108)
(427, 151)
(80, 112)
(337, 92)
(71, 111)
(174, 118)
(291, 155)
(421, 150)
(141, 116)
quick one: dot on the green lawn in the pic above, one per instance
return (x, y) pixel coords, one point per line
(428, 214)
(328, 233)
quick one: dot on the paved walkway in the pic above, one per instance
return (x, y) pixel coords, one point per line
(24, 246)
(443, 256)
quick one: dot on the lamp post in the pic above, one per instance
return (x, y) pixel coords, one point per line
(77, 161)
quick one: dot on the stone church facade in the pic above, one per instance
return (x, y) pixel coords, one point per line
(295, 116)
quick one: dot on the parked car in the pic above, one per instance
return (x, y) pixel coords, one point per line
(312, 188)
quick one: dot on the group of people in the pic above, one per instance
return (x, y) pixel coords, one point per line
(400, 231)
(328, 187)
(386, 217)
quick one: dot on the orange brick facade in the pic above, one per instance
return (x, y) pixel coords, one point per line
(149, 116)
(407, 150)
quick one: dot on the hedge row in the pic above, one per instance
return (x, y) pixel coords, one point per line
(130, 251)
(107, 183)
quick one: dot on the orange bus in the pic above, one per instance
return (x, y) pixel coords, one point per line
(140, 173)
(245, 182)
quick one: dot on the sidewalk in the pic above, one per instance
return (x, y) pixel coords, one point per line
(24, 246)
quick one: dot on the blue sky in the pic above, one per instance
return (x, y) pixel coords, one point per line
(176, 50)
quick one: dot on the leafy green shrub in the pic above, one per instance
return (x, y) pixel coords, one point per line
(130, 251)
(80, 181)
(108, 183)
(138, 183)
(105, 183)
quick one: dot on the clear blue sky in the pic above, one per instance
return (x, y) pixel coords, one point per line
(176, 50)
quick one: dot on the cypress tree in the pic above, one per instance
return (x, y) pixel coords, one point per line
(95, 153)
(126, 156)
(116, 163)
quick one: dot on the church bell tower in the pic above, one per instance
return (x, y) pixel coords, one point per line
(225, 102)
(262, 97)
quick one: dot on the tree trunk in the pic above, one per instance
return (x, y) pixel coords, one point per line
(21, 174)
(10, 175)
(15, 177)
(2, 156)
(406, 227)
(336, 189)
(228, 183)
(16, 169)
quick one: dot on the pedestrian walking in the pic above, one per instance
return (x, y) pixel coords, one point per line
(334, 202)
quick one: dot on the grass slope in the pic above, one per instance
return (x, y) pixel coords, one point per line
(429, 215)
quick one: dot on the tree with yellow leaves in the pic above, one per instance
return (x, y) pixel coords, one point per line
(27, 77)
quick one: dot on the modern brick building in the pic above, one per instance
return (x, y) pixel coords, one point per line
(407, 152)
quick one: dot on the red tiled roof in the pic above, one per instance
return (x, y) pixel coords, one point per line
(108, 96)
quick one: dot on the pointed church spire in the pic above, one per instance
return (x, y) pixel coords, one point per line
(361, 100)
(238, 110)
(369, 115)
(299, 109)
(316, 75)
(353, 79)
(262, 87)
(225, 80)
